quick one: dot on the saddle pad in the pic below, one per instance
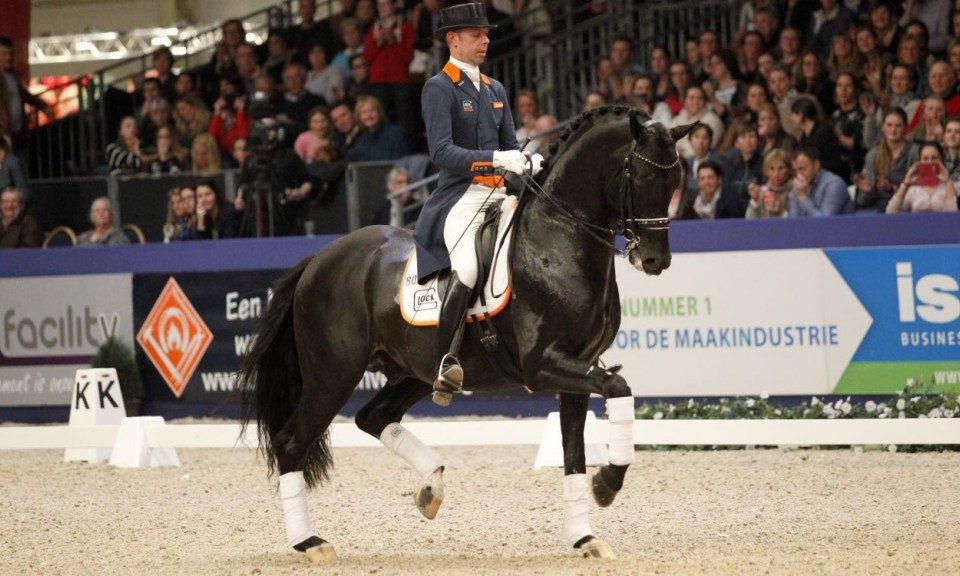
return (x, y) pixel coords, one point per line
(420, 304)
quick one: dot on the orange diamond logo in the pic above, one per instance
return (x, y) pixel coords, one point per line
(174, 337)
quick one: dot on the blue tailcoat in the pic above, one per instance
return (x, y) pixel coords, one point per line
(464, 127)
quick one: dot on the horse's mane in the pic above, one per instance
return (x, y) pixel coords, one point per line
(583, 123)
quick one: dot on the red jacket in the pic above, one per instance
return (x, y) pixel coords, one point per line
(390, 63)
(240, 129)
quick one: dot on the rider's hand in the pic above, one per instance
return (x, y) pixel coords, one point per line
(510, 160)
(536, 164)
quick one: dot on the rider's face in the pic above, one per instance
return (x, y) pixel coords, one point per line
(470, 45)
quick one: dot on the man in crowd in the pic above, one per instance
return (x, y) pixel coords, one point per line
(13, 96)
(296, 103)
(17, 230)
(817, 192)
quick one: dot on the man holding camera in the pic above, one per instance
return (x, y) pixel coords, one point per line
(472, 139)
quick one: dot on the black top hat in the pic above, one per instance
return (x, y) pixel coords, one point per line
(470, 15)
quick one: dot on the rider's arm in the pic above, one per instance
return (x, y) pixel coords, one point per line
(439, 105)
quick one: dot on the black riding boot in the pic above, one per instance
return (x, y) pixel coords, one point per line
(449, 333)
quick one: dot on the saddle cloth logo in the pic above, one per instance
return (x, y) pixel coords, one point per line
(420, 305)
(467, 105)
(174, 337)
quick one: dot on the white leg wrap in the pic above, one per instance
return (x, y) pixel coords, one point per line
(296, 514)
(576, 508)
(407, 446)
(621, 415)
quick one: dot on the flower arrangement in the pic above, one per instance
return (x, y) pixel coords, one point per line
(913, 401)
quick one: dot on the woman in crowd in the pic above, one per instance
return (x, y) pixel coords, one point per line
(214, 218)
(158, 116)
(900, 90)
(951, 148)
(660, 71)
(953, 54)
(728, 93)
(812, 79)
(278, 55)
(910, 55)
(805, 113)
(884, 26)
(756, 96)
(700, 142)
(914, 196)
(378, 139)
(930, 128)
(230, 122)
(788, 48)
(680, 79)
(771, 132)
(173, 224)
(124, 155)
(526, 106)
(769, 200)
(205, 155)
(169, 157)
(609, 83)
(318, 136)
(710, 178)
(843, 57)
(323, 79)
(388, 51)
(855, 128)
(191, 118)
(104, 232)
(886, 164)
(695, 110)
(873, 59)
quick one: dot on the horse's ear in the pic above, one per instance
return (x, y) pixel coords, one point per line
(678, 132)
(637, 129)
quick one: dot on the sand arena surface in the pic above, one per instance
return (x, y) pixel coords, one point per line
(746, 512)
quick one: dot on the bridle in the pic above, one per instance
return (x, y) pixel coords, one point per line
(628, 225)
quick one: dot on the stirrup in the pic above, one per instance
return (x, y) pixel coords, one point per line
(449, 380)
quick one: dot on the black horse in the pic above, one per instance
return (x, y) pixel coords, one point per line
(335, 315)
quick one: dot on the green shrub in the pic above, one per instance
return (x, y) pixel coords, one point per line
(115, 354)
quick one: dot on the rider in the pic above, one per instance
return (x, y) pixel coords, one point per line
(472, 138)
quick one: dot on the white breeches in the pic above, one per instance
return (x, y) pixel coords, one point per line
(461, 227)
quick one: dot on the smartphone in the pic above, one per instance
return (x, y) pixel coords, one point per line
(928, 174)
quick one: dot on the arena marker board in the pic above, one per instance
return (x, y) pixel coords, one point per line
(96, 401)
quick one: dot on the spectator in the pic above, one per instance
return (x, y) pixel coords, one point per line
(186, 85)
(951, 149)
(621, 56)
(695, 110)
(756, 96)
(660, 69)
(317, 137)
(815, 190)
(710, 202)
(609, 83)
(265, 89)
(191, 118)
(365, 14)
(819, 135)
(296, 103)
(181, 208)
(233, 35)
(13, 97)
(169, 157)
(708, 45)
(397, 179)
(700, 138)
(843, 57)
(953, 55)
(941, 83)
(691, 55)
(782, 94)
(900, 90)
(813, 80)
(935, 16)
(913, 195)
(854, 125)
(769, 200)
(884, 26)
(886, 163)
(150, 92)
(874, 60)
(680, 80)
(743, 166)
(158, 117)
(11, 171)
(308, 31)
(751, 46)
(593, 100)
(771, 132)
(727, 92)
(788, 48)
(797, 14)
(765, 63)
(124, 155)
(831, 19)
(215, 218)
(347, 131)
(681, 201)
(545, 132)
(163, 72)
(353, 40)
(909, 55)
(229, 122)
(239, 152)
(323, 80)
(279, 56)
(358, 84)
(378, 139)
(766, 23)
(932, 121)
(247, 67)
(388, 51)
(205, 155)
(527, 108)
(104, 232)
(17, 229)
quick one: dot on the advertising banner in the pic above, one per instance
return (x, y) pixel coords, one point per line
(847, 321)
(52, 326)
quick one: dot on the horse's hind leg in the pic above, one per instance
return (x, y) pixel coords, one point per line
(381, 417)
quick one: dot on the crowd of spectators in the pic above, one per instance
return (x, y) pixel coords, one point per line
(814, 108)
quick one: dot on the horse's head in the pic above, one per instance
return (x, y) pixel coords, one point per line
(652, 171)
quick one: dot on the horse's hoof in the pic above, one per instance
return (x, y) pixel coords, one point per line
(321, 554)
(597, 548)
(442, 397)
(430, 495)
(602, 494)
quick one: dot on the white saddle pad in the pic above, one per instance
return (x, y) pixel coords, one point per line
(420, 305)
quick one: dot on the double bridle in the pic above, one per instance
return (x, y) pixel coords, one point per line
(629, 226)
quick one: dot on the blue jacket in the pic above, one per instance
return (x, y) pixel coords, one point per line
(828, 196)
(464, 128)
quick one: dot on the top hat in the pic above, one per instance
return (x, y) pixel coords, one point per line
(470, 15)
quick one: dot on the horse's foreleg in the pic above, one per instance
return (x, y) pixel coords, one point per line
(381, 419)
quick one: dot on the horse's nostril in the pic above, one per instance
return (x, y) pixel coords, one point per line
(652, 262)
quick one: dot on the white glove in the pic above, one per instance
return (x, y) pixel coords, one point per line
(510, 160)
(536, 164)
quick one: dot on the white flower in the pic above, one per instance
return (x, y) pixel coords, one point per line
(911, 382)
(829, 411)
(870, 406)
(892, 448)
(778, 412)
(935, 413)
(902, 415)
(691, 403)
(658, 416)
(901, 404)
(948, 413)
(915, 399)
(814, 401)
(764, 395)
(846, 407)
(751, 402)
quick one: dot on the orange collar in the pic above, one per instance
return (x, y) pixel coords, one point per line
(454, 74)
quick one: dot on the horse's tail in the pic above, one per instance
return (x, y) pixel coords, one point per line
(270, 381)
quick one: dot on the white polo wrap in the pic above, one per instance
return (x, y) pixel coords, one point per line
(620, 414)
(296, 514)
(407, 446)
(576, 508)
